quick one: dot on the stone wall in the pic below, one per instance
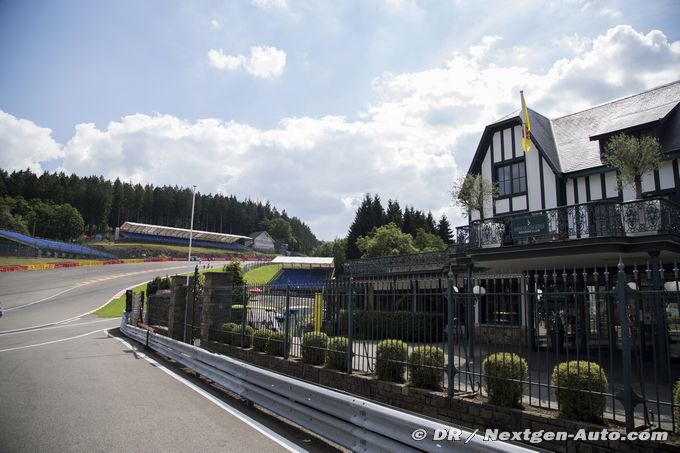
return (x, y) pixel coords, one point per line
(216, 306)
(157, 308)
(470, 412)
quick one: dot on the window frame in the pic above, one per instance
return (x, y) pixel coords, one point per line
(509, 164)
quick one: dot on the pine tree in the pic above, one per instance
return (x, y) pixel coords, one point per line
(444, 230)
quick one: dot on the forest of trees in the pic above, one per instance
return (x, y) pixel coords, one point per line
(372, 215)
(105, 205)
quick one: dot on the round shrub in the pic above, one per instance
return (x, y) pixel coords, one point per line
(503, 371)
(247, 338)
(228, 332)
(580, 393)
(337, 353)
(314, 345)
(261, 339)
(276, 346)
(426, 367)
(390, 360)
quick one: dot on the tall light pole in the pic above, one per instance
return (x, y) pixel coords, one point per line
(191, 234)
(191, 230)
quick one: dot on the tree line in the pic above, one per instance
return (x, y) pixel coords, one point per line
(380, 231)
(104, 205)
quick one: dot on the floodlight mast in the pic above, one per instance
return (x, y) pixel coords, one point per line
(191, 230)
(191, 234)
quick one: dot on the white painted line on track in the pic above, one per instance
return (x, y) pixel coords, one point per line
(41, 300)
(40, 326)
(40, 329)
(285, 443)
(53, 341)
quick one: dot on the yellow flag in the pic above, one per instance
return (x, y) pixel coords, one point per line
(526, 127)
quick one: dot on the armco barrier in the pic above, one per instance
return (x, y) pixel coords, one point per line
(352, 422)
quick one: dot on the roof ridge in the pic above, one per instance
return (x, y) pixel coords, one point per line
(619, 99)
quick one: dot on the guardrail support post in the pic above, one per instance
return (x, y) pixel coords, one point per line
(350, 324)
(621, 294)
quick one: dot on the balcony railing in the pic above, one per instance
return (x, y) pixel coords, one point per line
(588, 220)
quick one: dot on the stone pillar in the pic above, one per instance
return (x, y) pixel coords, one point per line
(178, 300)
(217, 301)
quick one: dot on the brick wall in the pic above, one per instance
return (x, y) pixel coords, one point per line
(470, 412)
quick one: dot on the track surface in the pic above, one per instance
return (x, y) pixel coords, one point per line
(67, 385)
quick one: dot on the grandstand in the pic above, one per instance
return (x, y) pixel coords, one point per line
(180, 236)
(17, 244)
(302, 272)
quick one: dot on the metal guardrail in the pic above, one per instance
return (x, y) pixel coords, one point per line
(352, 422)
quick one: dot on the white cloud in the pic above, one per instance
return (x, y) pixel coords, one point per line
(24, 145)
(610, 12)
(409, 144)
(270, 4)
(264, 62)
(215, 24)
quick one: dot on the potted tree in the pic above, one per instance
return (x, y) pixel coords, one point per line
(471, 193)
(633, 157)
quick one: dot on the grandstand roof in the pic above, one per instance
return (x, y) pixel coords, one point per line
(310, 261)
(158, 230)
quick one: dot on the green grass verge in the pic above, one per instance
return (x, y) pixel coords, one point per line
(115, 307)
(262, 274)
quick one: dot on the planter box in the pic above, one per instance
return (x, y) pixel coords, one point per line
(641, 217)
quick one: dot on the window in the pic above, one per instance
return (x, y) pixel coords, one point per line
(511, 179)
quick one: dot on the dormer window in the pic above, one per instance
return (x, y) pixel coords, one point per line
(511, 178)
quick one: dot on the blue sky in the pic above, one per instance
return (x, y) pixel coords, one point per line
(307, 104)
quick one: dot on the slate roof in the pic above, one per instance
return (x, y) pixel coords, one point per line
(570, 142)
(573, 132)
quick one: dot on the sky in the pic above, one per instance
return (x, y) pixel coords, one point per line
(307, 104)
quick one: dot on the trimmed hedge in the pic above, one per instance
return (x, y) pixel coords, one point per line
(581, 390)
(261, 339)
(314, 345)
(426, 367)
(337, 353)
(502, 370)
(228, 332)
(275, 346)
(390, 360)
(247, 338)
(399, 325)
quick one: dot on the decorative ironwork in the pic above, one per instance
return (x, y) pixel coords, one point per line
(597, 219)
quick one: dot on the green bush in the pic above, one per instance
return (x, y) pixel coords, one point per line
(276, 344)
(314, 345)
(502, 371)
(337, 353)
(400, 325)
(580, 393)
(247, 338)
(158, 284)
(390, 360)
(261, 339)
(426, 367)
(676, 400)
(228, 332)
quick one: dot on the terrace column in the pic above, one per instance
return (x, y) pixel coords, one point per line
(217, 301)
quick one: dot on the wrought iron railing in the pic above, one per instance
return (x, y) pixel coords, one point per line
(588, 220)
(413, 263)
